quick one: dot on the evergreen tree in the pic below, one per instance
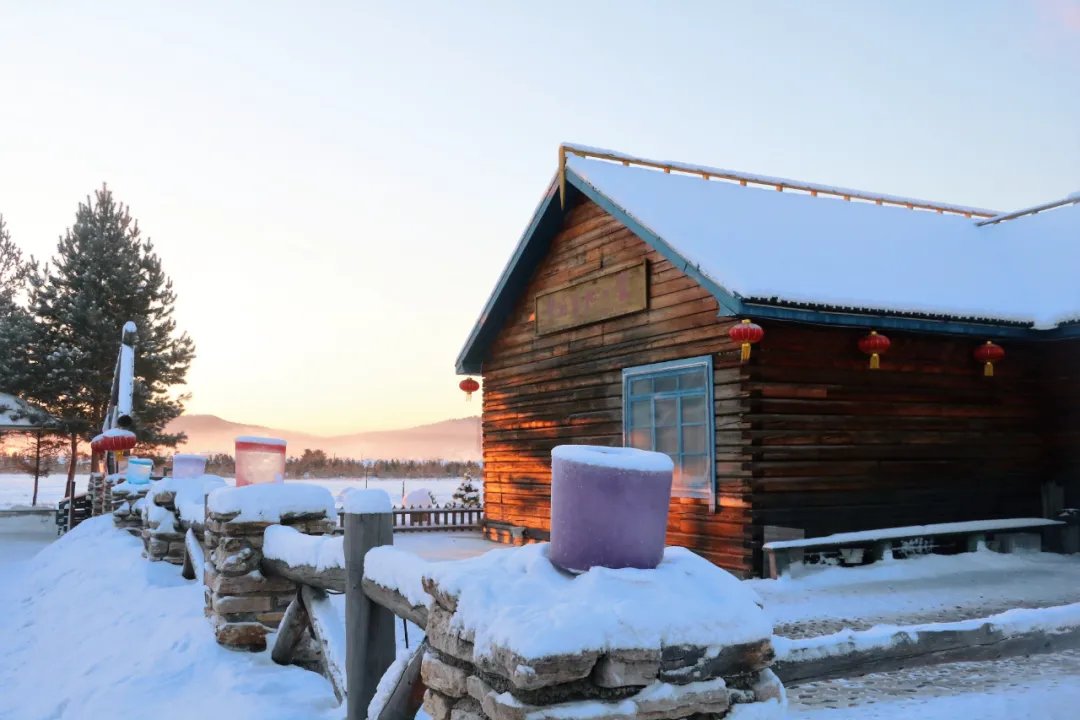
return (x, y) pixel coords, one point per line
(467, 493)
(12, 267)
(104, 274)
(14, 320)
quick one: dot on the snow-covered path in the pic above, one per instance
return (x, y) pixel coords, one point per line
(92, 630)
(22, 537)
(934, 588)
(1043, 687)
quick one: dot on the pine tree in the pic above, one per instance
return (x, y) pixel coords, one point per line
(14, 320)
(467, 493)
(104, 274)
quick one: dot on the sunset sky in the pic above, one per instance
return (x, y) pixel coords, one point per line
(334, 187)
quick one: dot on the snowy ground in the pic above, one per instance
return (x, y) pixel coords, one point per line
(934, 588)
(21, 538)
(17, 490)
(92, 630)
(444, 546)
(1043, 687)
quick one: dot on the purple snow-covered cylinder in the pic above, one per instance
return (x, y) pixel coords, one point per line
(609, 507)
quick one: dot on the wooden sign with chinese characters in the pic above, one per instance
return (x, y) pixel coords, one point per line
(610, 294)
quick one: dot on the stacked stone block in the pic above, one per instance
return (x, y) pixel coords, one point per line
(128, 503)
(100, 490)
(668, 683)
(190, 502)
(163, 538)
(243, 603)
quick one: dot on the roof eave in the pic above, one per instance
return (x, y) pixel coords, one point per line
(471, 358)
(545, 224)
(884, 320)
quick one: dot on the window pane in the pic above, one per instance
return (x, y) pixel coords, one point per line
(694, 466)
(641, 439)
(693, 379)
(641, 414)
(690, 480)
(693, 409)
(666, 383)
(667, 440)
(666, 412)
(641, 387)
(693, 439)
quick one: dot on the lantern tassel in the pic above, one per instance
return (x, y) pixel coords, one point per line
(745, 352)
(988, 370)
(875, 361)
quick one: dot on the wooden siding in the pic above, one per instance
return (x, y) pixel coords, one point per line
(807, 436)
(566, 387)
(838, 447)
(1061, 380)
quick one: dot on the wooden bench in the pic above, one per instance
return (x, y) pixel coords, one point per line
(778, 554)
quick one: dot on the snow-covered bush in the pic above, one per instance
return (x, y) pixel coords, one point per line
(419, 498)
(467, 494)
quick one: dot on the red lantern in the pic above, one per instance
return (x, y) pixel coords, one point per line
(875, 346)
(746, 334)
(989, 354)
(468, 386)
(113, 441)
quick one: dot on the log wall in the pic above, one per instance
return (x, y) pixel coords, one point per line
(566, 387)
(1062, 400)
(807, 436)
(837, 447)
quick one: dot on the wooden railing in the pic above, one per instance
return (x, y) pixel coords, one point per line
(448, 517)
(355, 662)
(80, 512)
(434, 519)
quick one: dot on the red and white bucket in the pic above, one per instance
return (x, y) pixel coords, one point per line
(259, 460)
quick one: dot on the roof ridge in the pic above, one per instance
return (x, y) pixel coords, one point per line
(744, 179)
(1033, 210)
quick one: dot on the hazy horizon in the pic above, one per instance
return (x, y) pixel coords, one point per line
(244, 423)
(335, 188)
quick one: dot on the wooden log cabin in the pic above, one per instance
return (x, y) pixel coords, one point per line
(610, 325)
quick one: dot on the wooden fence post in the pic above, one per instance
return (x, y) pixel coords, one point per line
(369, 628)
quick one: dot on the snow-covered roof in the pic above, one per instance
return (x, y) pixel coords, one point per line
(17, 414)
(762, 245)
(773, 247)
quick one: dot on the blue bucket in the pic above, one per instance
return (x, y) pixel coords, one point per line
(138, 471)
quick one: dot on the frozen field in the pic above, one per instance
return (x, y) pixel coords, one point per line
(17, 490)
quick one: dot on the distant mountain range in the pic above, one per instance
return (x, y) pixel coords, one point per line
(446, 440)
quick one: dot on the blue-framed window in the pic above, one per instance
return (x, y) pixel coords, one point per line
(668, 408)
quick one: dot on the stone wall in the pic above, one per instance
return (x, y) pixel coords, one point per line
(128, 502)
(647, 684)
(163, 538)
(99, 488)
(242, 602)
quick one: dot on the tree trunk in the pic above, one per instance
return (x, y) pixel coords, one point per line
(71, 479)
(37, 467)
